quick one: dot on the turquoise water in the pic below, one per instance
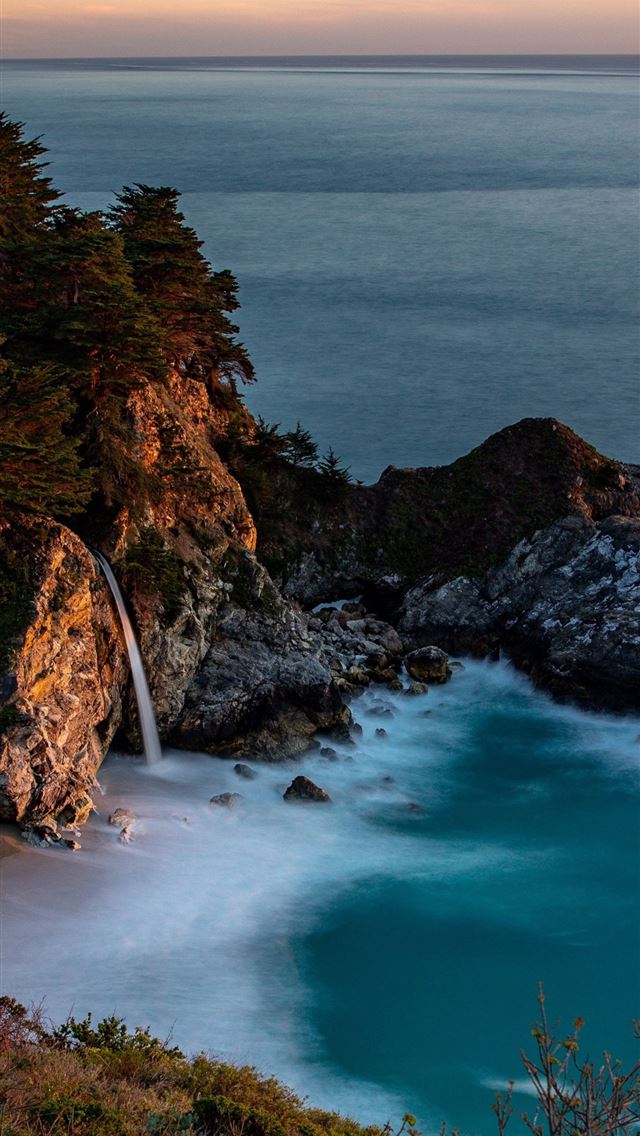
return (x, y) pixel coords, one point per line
(429, 983)
(381, 953)
(425, 253)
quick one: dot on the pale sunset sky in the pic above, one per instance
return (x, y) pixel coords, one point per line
(41, 28)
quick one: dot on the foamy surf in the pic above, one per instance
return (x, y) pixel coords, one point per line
(212, 923)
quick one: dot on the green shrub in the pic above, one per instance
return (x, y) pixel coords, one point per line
(157, 570)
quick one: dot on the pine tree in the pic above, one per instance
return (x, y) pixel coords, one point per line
(188, 299)
(301, 450)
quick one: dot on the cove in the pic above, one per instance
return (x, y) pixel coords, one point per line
(381, 953)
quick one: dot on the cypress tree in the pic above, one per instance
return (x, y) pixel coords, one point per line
(188, 299)
(88, 315)
(39, 463)
(27, 197)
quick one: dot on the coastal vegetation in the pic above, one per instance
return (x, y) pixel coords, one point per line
(103, 1079)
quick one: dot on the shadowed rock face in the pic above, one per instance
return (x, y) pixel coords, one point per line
(565, 605)
(460, 519)
(262, 689)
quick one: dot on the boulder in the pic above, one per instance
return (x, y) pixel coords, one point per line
(417, 688)
(304, 789)
(428, 665)
(121, 817)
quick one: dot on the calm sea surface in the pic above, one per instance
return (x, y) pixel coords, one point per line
(427, 249)
(426, 252)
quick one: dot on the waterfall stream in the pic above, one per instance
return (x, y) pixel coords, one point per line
(150, 739)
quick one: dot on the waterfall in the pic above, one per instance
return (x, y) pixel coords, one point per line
(150, 739)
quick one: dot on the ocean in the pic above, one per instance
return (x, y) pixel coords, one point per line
(427, 249)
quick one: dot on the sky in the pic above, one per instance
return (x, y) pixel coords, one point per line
(59, 28)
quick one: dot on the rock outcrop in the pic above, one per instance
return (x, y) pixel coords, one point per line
(64, 673)
(175, 540)
(263, 689)
(565, 605)
(460, 519)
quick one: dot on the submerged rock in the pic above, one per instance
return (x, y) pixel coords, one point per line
(328, 751)
(125, 820)
(226, 800)
(244, 771)
(415, 688)
(304, 789)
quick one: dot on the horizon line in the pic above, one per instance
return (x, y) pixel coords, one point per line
(343, 55)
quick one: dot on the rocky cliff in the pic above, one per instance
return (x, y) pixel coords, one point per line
(64, 673)
(530, 543)
(447, 521)
(180, 537)
(565, 605)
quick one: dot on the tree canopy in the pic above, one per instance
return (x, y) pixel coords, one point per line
(188, 299)
(92, 306)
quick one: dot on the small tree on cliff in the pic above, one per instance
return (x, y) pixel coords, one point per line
(336, 478)
(300, 448)
(188, 299)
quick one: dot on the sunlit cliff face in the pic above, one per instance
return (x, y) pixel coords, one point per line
(49, 28)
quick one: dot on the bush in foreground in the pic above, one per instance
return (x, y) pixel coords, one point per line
(81, 1079)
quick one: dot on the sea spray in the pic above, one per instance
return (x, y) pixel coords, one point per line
(149, 729)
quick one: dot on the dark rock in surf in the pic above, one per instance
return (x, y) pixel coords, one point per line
(329, 752)
(304, 789)
(428, 665)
